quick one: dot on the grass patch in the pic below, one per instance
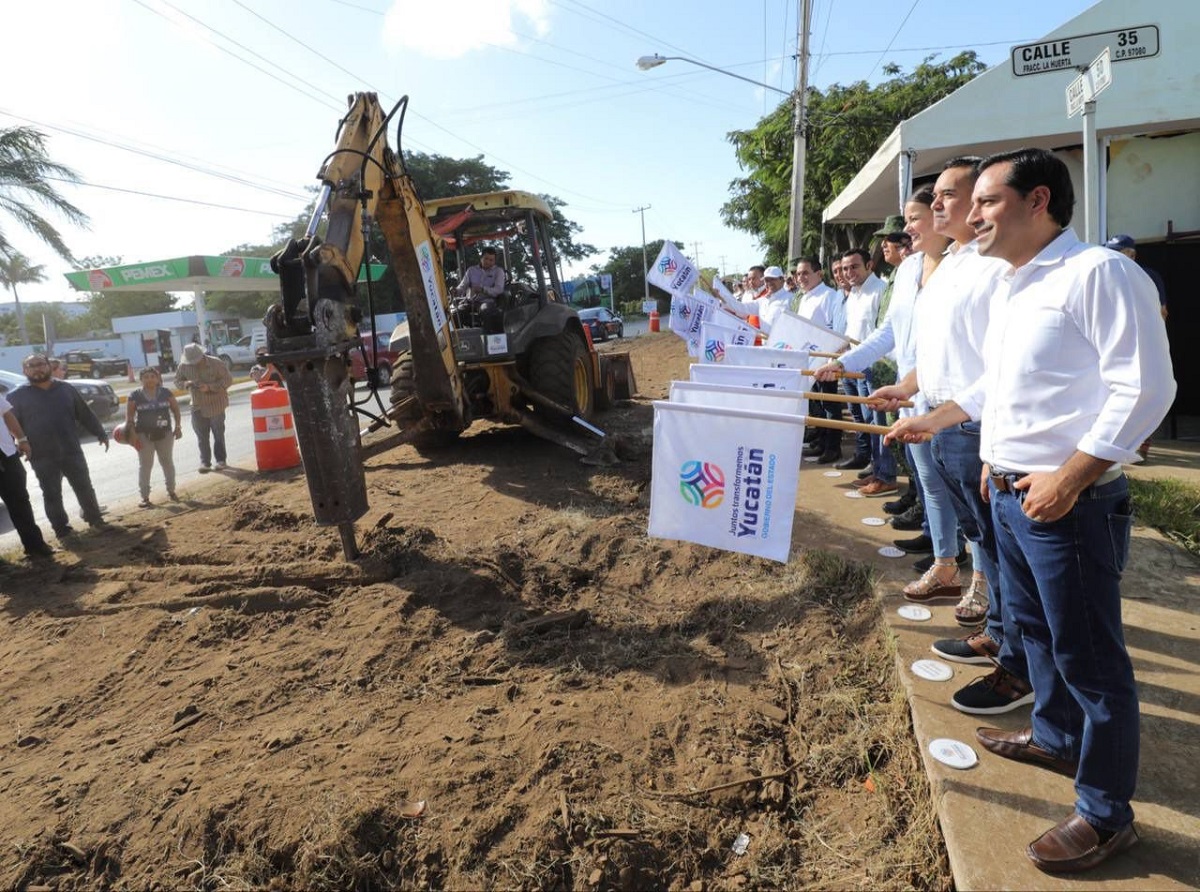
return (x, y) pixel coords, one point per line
(1170, 506)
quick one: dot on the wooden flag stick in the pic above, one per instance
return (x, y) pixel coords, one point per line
(840, 374)
(813, 421)
(846, 398)
(823, 355)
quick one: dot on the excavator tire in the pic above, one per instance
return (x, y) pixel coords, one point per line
(559, 368)
(404, 386)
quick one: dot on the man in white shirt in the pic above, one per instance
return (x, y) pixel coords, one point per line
(821, 305)
(952, 321)
(1077, 374)
(862, 310)
(774, 299)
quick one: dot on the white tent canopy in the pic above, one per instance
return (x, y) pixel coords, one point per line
(1000, 110)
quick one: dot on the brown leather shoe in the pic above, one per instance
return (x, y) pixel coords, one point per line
(1073, 845)
(1019, 746)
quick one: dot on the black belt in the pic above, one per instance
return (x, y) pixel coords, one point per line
(1005, 481)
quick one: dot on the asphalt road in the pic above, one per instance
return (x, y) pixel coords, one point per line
(115, 472)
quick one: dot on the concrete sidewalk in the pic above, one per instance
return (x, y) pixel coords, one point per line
(990, 812)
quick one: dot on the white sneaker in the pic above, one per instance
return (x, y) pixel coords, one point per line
(221, 466)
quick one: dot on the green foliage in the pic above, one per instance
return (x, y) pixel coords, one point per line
(26, 172)
(846, 124)
(1170, 506)
(15, 270)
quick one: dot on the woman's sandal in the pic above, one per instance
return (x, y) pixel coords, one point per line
(930, 588)
(972, 609)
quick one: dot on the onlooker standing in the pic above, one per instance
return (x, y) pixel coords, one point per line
(148, 415)
(862, 309)
(1127, 246)
(1077, 373)
(49, 410)
(774, 299)
(208, 380)
(14, 494)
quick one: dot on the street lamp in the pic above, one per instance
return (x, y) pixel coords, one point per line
(799, 102)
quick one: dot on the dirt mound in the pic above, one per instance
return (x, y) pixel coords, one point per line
(514, 687)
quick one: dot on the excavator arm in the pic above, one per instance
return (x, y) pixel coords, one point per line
(311, 328)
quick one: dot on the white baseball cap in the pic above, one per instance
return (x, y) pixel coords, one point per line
(773, 272)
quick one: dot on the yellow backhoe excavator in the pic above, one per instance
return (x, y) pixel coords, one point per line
(531, 362)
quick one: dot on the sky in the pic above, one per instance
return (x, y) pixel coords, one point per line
(197, 126)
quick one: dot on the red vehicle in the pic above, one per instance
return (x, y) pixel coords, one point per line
(383, 357)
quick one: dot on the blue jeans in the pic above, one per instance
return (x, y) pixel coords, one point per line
(50, 473)
(939, 512)
(203, 427)
(883, 462)
(1062, 587)
(956, 455)
(859, 412)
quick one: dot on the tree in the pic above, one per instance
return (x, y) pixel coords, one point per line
(15, 270)
(846, 124)
(25, 174)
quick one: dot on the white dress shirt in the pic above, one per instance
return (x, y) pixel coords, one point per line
(898, 331)
(770, 306)
(1077, 359)
(862, 307)
(953, 321)
(818, 306)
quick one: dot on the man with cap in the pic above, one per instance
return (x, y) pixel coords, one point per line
(207, 379)
(1126, 245)
(775, 299)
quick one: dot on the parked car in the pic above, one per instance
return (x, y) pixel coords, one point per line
(603, 323)
(99, 395)
(93, 364)
(383, 356)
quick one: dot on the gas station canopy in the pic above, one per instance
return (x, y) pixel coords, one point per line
(196, 274)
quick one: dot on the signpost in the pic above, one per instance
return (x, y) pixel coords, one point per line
(1065, 53)
(606, 284)
(1081, 97)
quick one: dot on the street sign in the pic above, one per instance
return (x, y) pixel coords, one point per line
(1089, 84)
(1064, 53)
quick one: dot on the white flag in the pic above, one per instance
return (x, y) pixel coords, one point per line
(792, 332)
(725, 478)
(747, 376)
(717, 336)
(688, 314)
(672, 272)
(766, 356)
(751, 399)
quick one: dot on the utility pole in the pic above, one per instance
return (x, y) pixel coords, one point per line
(645, 263)
(799, 145)
(722, 266)
(696, 250)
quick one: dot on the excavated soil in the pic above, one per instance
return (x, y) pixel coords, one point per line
(514, 687)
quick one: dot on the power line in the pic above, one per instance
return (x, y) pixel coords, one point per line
(903, 22)
(157, 156)
(210, 204)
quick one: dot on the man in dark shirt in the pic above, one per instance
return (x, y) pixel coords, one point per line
(48, 410)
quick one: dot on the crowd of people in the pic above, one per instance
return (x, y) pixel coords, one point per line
(1028, 367)
(42, 420)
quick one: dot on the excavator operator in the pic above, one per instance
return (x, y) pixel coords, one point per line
(483, 283)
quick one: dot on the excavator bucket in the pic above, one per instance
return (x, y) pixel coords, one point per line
(622, 371)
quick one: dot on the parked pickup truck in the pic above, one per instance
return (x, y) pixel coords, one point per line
(241, 353)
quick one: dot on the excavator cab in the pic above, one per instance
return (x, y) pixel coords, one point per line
(516, 225)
